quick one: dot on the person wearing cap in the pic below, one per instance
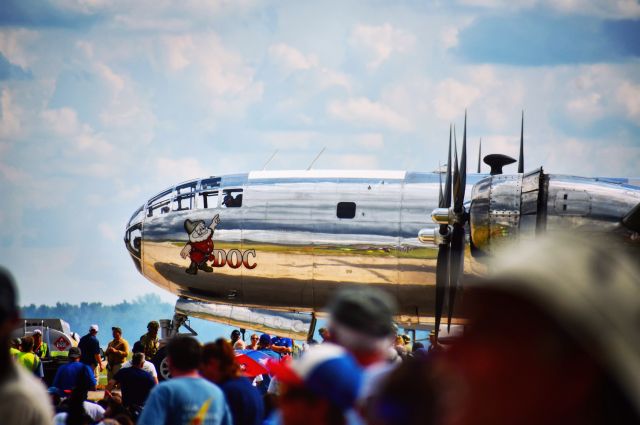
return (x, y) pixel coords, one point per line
(23, 398)
(264, 346)
(407, 342)
(220, 367)
(361, 320)
(186, 398)
(319, 388)
(40, 348)
(116, 352)
(147, 366)
(74, 373)
(90, 351)
(552, 337)
(149, 341)
(236, 340)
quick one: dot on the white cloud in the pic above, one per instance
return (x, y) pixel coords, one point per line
(14, 45)
(12, 174)
(452, 97)
(380, 42)
(179, 50)
(588, 107)
(374, 141)
(227, 81)
(290, 58)
(628, 94)
(10, 113)
(317, 77)
(363, 111)
(611, 9)
(354, 161)
(179, 169)
(290, 139)
(64, 124)
(108, 231)
(449, 37)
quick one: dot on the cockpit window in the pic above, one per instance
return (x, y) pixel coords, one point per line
(212, 183)
(160, 203)
(208, 199)
(185, 197)
(232, 198)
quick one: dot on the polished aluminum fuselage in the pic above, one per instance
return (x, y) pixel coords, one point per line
(286, 248)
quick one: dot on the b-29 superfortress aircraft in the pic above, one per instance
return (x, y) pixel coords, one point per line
(265, 250)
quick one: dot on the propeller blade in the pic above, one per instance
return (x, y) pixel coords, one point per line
(521, 159)
(479, 154)
(447, 184)
(462, 179)
(458, 237)
(440, 195)
(456, 266)
(442, 282)
(456, 172)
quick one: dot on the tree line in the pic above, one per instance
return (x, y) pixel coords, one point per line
(131, 316)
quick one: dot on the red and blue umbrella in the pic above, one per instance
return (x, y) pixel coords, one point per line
(253, 362)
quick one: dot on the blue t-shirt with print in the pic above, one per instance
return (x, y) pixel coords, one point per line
(281, 342)
(186, 400)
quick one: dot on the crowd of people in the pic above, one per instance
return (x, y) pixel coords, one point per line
(551, 337)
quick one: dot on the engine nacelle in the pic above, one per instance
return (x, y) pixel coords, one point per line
(504, 207)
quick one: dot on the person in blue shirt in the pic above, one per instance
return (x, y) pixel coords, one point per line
(282, 346)
(264, 346)
(136, 384)
(90, 348)
(74, 373)
(187, 398)
(219, 366)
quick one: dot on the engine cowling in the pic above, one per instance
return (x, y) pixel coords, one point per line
(504, 206)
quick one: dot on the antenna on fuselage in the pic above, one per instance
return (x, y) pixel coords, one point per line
(269, 160)
(316, 158)
(521, 159)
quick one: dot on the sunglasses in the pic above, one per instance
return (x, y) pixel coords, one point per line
(255, 338)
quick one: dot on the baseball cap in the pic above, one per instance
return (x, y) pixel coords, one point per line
(235, 332)
(264, 339)
(74, 352)
(37, 332)
(8, 295)
(94, 328)
(367, 310)
(115, 328)
(327, 370)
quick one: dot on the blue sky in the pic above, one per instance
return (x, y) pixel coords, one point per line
(103, 103)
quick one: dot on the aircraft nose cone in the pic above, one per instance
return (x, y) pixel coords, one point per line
(133, 237)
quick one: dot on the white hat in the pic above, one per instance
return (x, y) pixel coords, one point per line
(37, 332)
(93, 328)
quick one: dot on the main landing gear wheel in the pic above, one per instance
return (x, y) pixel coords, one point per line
(162, 365)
